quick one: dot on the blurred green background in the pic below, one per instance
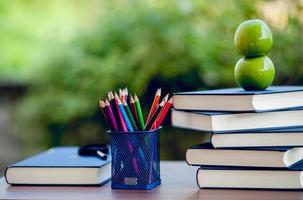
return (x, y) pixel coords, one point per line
(57, 57)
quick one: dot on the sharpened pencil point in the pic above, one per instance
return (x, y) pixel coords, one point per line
(131, 100)
(117, 99)
(165, 98)
(101, 103)
(158, 93)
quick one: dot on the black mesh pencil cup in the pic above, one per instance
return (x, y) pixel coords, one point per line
(135, 159)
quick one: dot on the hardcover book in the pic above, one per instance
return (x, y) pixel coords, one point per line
(237, 99)
(249, 179)
(60, 166)
(280, 158)
(237, 122)
(271, 138)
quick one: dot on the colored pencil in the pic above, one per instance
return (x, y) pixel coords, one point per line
(163, 113)
(106, 115)
(154, 104)
(102, 107)
(134, 110)
(139, 112)
(130, 115)
(111, 116)
(113, 104)
(126, 94)
(109, 95)
(123, 112)
(121, 94)
(121, 118)
(156, 113)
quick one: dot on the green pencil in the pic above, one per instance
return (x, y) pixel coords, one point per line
(130, 115)
(139, 111)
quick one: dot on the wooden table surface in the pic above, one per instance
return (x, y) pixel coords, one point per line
(178, 182)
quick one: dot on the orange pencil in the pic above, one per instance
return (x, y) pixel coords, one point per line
(156, 113)
(163, 113)
(154, 105)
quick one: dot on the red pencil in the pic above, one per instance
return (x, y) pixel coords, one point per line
(134, 110)
(156, 113)
(121, 94)
(163, 113)
(149, 126)
(154, 105)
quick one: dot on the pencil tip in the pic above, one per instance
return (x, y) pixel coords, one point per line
(131, 99)
(111, 95)
(126, 91)
(102, 104)
(166, 98)
(171, 99)
(158, 93)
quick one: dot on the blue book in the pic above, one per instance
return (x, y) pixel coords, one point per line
(228, 122)
(60, 166)
(251, 158)
(239, 100)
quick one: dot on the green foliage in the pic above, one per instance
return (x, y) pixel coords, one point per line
(176, 45)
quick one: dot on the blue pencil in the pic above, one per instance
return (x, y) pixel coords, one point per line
(122, 109)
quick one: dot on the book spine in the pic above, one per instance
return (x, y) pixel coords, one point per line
(197, 178)
(5, 175)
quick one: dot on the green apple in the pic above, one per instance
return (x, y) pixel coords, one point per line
(253, 38)
(255, 73)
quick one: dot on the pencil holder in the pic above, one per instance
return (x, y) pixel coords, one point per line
(135, 159)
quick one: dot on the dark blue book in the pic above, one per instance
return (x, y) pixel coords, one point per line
(269, 138)
(227, 122)
(239, 100)
(60, 166)
(262, 158)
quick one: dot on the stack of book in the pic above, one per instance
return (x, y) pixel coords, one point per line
(257, 139)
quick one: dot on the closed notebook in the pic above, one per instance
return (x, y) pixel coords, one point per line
(237, 122)
(60, 166)
(280, 158)
(249, 179)
(237, 99)
(272, 138)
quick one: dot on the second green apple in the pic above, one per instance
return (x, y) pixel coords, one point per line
(254, 73)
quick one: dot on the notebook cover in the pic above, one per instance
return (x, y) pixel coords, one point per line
(62, 157)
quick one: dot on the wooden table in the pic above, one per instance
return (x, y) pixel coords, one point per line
(178, 182)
